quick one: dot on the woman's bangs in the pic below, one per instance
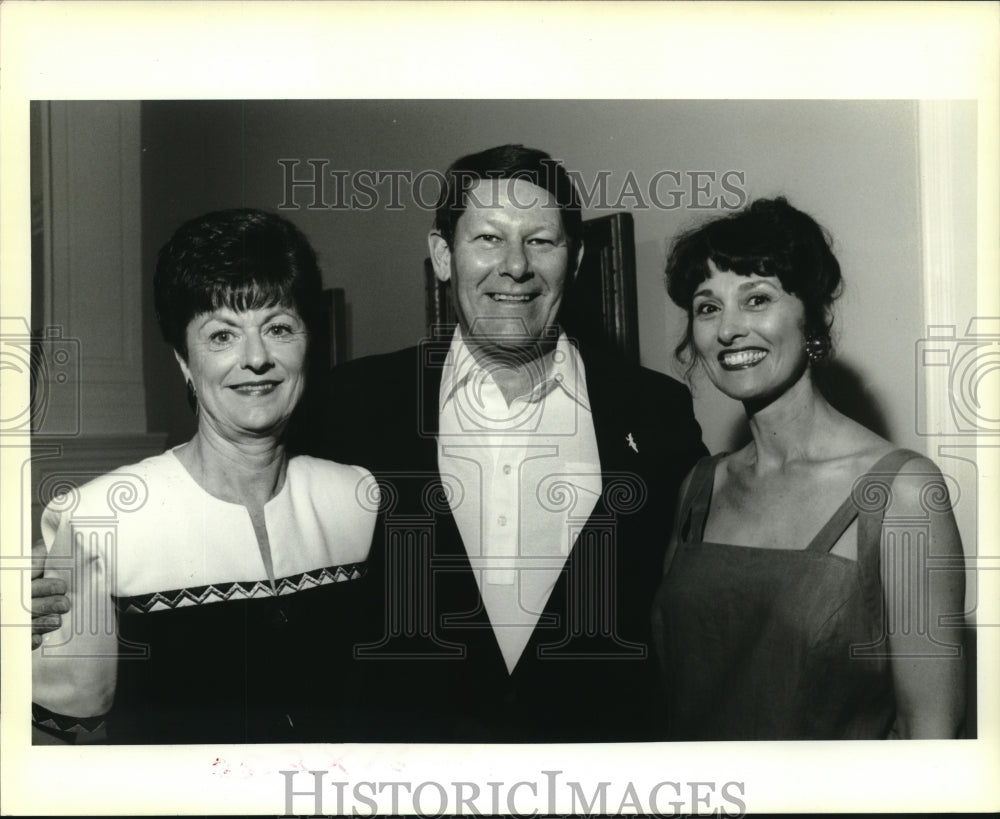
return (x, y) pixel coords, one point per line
(249, 294)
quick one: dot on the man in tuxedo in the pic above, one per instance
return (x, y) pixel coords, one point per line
(527, 488)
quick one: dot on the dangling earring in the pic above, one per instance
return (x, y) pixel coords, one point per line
(817, 348)
(192, 397)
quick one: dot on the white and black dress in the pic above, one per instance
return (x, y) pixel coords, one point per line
(177, 632)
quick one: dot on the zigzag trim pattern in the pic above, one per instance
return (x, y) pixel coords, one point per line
(222, 592)
(62, 723)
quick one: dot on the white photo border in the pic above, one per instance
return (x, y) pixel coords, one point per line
(212, 50)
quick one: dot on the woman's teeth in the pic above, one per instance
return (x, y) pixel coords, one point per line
(255, 389)
(741, 359)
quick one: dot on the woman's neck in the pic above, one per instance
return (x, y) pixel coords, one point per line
(249, 472)
(793, 427)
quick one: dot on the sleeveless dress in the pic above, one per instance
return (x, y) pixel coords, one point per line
(763, 643)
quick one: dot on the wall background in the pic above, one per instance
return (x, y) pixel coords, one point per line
(853, 165)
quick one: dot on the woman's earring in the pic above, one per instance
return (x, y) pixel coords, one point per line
(817, 349)
(192, 397)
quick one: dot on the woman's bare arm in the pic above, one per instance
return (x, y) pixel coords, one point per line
(923, 582)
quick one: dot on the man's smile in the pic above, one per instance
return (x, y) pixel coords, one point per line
(513, 298)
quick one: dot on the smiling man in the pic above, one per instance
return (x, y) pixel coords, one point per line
(509, 258)
(528, 487)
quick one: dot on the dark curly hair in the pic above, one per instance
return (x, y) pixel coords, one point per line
(242, 259)
(769, 238)
(508, 162)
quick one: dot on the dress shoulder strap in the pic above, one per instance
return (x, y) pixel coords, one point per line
(873, 492)
(865, 495)
(888, 465)
(694, 505)
(871, 497)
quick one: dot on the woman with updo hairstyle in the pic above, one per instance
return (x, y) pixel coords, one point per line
(795, 603)
(218, 608)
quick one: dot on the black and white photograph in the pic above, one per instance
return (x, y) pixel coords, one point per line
(490, 421)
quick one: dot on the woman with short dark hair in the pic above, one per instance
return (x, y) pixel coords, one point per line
(795, 602)
(218, 611)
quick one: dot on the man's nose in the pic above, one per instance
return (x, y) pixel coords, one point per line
(256, 353)
(515, 263)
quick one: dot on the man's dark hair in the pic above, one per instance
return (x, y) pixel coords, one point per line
(509, 162)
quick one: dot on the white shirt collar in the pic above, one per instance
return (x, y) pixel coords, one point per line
(565, 371)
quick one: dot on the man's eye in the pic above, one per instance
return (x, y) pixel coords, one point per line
(489, 238)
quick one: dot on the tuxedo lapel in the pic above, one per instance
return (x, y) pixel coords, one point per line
(457, 606)
(613, 451)
(609, 425)
(429, 365)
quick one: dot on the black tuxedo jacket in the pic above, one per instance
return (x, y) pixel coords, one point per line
(430, 668)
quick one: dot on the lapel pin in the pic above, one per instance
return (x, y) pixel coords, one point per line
(631, 442)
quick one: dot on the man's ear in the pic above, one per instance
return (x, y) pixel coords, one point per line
(440, 255)
(183, 365)
(579, 261)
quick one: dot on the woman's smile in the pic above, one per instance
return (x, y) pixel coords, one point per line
(255, 388)
(741, 359)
